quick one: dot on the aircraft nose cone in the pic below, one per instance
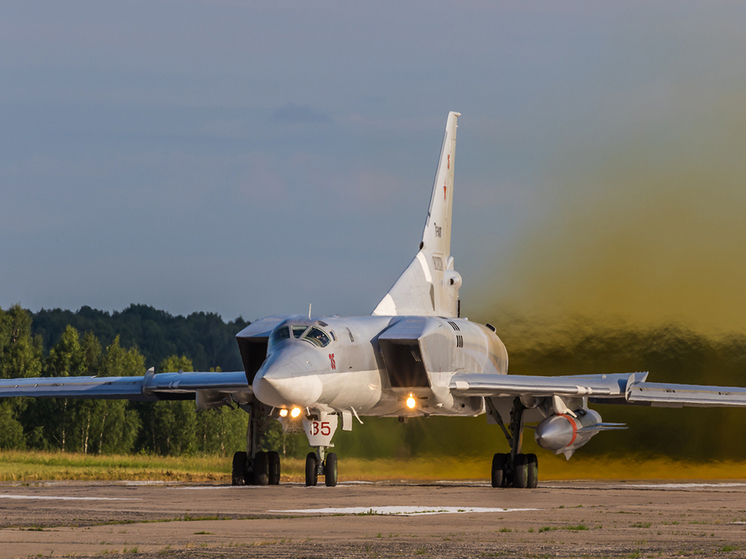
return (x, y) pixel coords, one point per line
(289, 377)
(299, 391)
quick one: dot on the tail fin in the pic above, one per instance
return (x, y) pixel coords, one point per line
(429, 286)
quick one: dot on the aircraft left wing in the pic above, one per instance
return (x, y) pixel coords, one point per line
(617, 388)
(209, 387)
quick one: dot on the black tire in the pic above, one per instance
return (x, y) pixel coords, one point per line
(261, 468)
(520, 472)
(532, 479)
(330, 470)
(238, 472)
(274, 467)
(312, 475)
(500, 470)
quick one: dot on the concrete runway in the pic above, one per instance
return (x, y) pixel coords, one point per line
(564, 519)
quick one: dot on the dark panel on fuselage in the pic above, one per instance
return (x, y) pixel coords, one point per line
(253, 353)
(404, 364)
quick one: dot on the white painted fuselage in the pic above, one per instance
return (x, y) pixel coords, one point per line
(370, 366)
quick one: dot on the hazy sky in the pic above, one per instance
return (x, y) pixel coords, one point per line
(251, 159)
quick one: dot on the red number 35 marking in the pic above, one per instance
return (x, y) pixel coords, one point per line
(332, 361)
(322, 427)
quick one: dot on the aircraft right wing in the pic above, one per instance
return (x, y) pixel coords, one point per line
(617, 388)
(211, 389)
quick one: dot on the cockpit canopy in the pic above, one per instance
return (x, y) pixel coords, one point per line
(311, 334)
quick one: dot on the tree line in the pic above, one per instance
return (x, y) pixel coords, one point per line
(203, 337)
(56, 348)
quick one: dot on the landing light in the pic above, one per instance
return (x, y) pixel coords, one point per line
(295, 412)
(411, 402)
(283, 413)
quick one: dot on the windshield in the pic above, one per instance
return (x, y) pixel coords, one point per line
(317, 337)
(310, 334)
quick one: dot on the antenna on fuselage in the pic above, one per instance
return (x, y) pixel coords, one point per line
(309, 310)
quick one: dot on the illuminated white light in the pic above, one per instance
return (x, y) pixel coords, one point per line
(411, 402)
(283, 413)
(295, 412)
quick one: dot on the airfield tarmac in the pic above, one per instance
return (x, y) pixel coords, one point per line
(383, 519)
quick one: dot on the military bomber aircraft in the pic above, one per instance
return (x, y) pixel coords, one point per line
(414, 356)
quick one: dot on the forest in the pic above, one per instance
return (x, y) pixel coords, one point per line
(92, 342)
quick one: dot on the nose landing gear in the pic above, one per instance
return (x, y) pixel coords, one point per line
(320, 429)
(316, 466)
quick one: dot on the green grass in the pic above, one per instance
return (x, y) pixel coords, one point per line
(36, 466)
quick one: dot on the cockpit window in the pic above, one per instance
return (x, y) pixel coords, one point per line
(317, 336)
(278, 334)
(311, 334)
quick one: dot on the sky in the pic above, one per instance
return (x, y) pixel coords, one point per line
(251, 159)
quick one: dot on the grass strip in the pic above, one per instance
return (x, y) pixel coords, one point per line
(38, 466)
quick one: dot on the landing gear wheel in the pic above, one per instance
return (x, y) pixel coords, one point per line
(261, 468)
(274, 467)
(500, 470)
(520, 471)
(239, 471)
(330, 470)
(532, 478)
(312, 475)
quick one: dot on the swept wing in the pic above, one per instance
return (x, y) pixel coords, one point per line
(150, 387)
(617, 388)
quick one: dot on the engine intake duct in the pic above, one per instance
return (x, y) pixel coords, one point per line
(404, 363)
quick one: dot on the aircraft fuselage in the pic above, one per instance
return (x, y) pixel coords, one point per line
(372, 365)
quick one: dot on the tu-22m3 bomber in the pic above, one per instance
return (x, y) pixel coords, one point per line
(413, 356)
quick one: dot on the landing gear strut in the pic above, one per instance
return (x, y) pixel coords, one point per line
(514, 469)
(320, 429)
(316, 465)
(255, 467)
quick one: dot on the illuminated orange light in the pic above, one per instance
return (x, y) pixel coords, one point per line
(411, 402)
(283, 413)
(295, 413)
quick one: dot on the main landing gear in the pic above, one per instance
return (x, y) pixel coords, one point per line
(316, 466)
(513, 469)
(255, 467)
(263, 469)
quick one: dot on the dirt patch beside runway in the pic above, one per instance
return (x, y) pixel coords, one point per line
(571, 519)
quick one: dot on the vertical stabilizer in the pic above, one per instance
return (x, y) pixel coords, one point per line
(437, 234)
(429, 286)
